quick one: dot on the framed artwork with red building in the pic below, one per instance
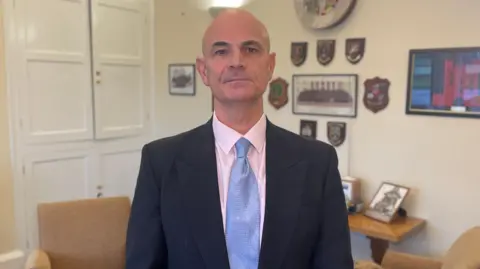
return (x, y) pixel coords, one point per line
(444, 82)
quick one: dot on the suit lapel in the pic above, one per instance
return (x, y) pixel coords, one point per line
(197, 173)
(285, 174)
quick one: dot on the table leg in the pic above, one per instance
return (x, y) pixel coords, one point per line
(378, 247)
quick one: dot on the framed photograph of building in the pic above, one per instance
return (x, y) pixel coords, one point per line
(444, 82)
(325, 94)
(181, 79)
(386, 202)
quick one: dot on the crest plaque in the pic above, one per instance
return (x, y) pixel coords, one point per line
(323, 14)
(376, 97)
(355, 49)
(336, 132)
(278, 94)
(308, 129)
(325, 51)
(298, 53)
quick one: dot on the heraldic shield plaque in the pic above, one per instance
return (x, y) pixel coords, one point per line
(298, 53)
(325, 51)
(278, 94)
(336, 132)
(355, 49)
(376, 97)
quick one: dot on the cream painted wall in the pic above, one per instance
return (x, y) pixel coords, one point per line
(436, 157)
(7, 226)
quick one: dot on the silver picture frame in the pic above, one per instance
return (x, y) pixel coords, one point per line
(386, 202)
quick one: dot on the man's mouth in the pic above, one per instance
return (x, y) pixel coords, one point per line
(236, 80)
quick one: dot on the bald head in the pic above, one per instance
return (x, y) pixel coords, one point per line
(235, 20)
(237, 63)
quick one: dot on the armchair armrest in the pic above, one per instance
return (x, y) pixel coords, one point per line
(364, 264)
(38, 259)
(397, 260)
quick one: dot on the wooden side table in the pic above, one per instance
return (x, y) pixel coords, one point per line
(382, 234)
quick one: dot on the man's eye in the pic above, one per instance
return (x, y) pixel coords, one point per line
(220, 52)
(252, 50)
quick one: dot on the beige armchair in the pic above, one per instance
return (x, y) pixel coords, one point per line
(81, 234)
(463, 254)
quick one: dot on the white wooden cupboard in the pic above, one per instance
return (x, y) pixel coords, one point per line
(80, 82)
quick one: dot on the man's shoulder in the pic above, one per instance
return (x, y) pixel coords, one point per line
(169, 145)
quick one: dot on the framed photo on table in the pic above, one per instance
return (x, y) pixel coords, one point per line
(325, 94)
(386, 202)
(181, 79)
(444, 82)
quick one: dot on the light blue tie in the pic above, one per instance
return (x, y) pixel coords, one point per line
(243, 212)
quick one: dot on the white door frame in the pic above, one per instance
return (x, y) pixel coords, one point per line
(12, 64)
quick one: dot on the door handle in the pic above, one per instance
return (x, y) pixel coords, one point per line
(98, 80)
(99, 189)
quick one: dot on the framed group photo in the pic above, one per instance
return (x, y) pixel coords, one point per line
(325, 94)
(181, 79)
(444, 82)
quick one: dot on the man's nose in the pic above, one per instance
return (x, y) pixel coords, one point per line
(237, 59)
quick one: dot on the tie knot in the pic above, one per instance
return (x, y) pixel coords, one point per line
(242, 147)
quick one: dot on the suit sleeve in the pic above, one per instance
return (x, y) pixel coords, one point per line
(333, 250)
(145, 246)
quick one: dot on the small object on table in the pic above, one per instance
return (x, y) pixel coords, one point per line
(355, 207)
(402, 212)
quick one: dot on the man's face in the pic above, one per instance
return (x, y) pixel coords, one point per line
(237, 65)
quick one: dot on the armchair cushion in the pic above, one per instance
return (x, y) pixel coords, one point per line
(366, 265)
(38, 259)
(89, 233)
(464, 252)
(398, 260)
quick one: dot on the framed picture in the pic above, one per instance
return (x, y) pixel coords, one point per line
(444, 82)
(325, 94)
(181, 79)
(386, 202)
(352, 189)
(308, 129)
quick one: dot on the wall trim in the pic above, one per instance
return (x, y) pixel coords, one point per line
(12, 260)
(11, 56)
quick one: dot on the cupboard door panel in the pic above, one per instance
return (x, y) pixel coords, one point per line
(119, 171)
(120, 51)
(56, 177)
(55, 78)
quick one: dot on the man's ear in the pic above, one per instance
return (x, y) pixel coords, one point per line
(202, 70)
(271, 64)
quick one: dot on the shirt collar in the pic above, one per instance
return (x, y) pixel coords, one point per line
(226, 137)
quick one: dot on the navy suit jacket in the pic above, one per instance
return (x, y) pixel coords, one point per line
(176, 219)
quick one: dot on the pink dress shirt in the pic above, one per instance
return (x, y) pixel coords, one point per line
(225, 139)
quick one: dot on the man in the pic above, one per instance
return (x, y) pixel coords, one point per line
(238, 192)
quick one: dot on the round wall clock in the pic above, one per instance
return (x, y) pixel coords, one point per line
(323, 14)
